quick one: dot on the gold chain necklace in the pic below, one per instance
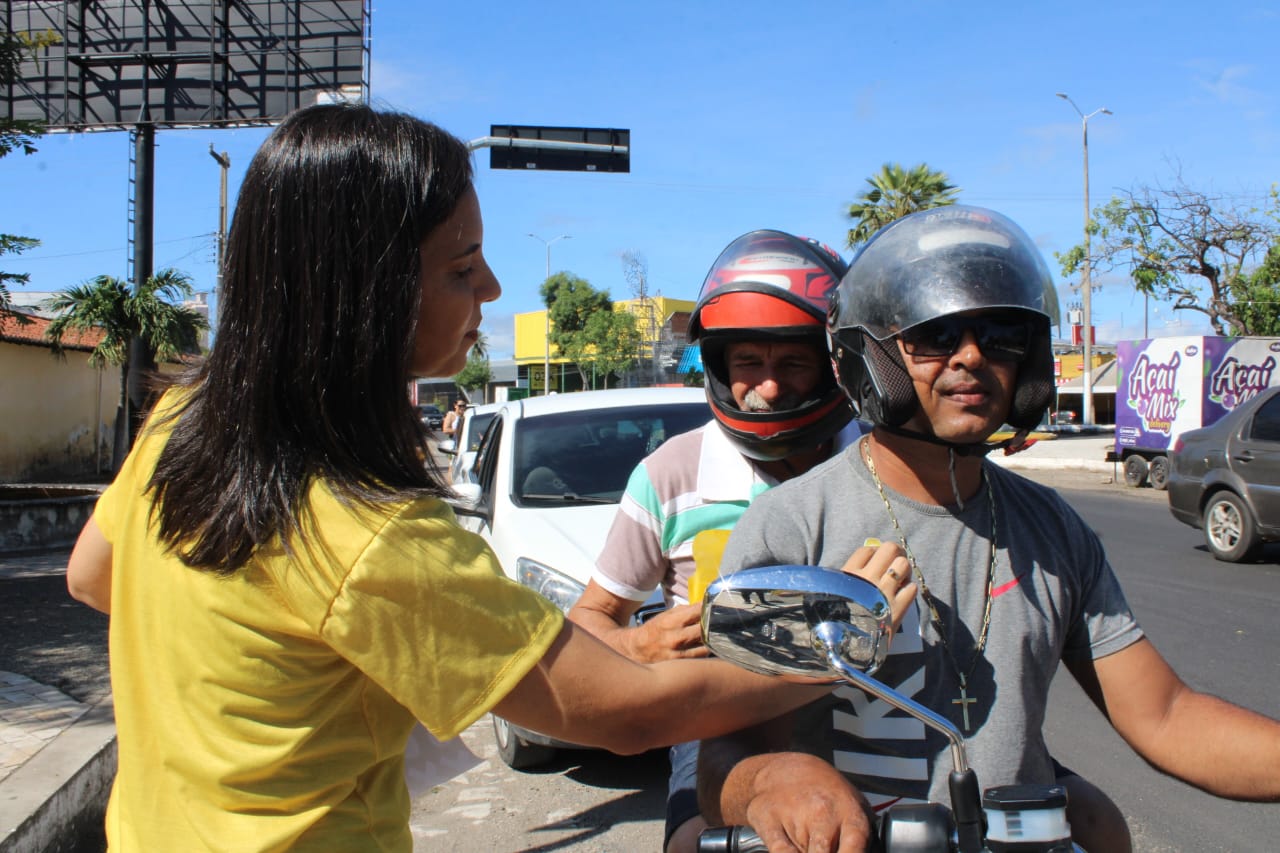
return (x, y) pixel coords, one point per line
(935, 618)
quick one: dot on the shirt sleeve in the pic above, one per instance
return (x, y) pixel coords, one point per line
(427, 613)
(633, 561)
(1103, 623)
(131, 480)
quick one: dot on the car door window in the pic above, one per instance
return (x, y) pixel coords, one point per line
(1266, 421)
(487, 459)
(476, 427)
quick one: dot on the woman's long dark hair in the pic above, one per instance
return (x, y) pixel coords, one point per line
(308, 377)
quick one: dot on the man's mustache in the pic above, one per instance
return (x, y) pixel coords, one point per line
(753, 402)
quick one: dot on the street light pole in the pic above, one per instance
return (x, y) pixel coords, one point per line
(224, 161)
(546, 361)
(1086, 282)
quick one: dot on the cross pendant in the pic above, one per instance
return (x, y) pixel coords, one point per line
(964, 702)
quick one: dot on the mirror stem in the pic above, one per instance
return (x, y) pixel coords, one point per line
(831, 635)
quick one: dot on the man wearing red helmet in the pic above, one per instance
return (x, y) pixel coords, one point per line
(778, 411)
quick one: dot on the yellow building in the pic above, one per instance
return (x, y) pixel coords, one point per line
(1068, 374)
(58, 413)
(663, 324)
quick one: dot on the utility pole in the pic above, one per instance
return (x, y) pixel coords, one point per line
(225, 162)
(546, 361)
(1086, 280)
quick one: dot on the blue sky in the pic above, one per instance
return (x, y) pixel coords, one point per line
(743, 115)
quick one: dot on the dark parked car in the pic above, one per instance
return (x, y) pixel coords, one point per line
(431, 416)
(1225, 478)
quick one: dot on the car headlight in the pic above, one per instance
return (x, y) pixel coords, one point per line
(561, 591)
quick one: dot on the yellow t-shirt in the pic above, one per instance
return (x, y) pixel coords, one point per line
(269, 710)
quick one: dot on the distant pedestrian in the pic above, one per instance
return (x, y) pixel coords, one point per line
(452, 426)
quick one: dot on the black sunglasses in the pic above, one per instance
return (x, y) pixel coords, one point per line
(999, 338)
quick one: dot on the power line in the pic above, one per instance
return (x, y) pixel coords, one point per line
(26, 258)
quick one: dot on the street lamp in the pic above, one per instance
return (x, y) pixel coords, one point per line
(1086, 280)
(546, 361)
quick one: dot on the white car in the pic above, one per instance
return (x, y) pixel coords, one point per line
(462, 448)
(547, 480)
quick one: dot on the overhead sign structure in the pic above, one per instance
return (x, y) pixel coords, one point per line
(147, 64)
(564, 149)
(184, 63)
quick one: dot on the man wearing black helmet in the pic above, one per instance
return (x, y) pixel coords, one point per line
(760, 322)
(941, 334)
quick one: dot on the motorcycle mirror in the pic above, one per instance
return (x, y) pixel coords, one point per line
(764, 620)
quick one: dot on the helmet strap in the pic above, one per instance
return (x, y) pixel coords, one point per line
(951, 470)
(981, 449)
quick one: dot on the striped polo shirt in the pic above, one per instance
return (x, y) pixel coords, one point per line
(694, 483)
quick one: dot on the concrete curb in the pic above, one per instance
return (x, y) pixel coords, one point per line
(1015, 463)
(55, 802)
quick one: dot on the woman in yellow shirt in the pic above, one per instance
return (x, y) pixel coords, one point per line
(288, 591)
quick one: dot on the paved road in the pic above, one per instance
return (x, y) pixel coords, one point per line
(587, 802)
(47, 636)
(584, 801)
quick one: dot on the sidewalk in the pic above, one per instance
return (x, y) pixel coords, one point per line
(1086, 452)
(57, 751)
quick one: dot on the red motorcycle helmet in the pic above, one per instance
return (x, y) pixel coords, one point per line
(770, 286)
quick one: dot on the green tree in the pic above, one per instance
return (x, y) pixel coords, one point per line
(896, 192)
(477, 372)
(1257, 296)
(14, 49)
(1190, 248)
(585, 328)
(13, 245)
(614, 339)
(107, 304)
(17, 134)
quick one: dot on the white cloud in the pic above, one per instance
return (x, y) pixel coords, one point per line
(1228, 86)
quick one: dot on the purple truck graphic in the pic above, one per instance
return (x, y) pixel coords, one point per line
(1169, 385)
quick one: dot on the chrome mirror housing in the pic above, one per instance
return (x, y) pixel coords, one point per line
(767, 620)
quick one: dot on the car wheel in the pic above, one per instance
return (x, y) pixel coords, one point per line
(1135, 471)
(1158, 473)
(515, 751)
(1229, 529)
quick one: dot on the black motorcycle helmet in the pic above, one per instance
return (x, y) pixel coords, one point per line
(929, 265)
(769, 285)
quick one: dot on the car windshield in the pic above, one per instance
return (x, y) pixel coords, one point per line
(587, 456)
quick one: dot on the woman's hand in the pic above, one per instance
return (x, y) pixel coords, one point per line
(885, 565)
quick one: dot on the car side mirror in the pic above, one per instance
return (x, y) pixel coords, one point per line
(767, 620)
(449, 447)
(468, 499)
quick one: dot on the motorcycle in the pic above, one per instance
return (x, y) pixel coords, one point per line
(810, 621)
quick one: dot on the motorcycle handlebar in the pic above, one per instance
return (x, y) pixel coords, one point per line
(730, 839)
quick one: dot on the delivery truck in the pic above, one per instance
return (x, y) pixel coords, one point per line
(1166, 386)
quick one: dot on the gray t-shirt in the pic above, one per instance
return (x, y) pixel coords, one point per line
(1055, 598)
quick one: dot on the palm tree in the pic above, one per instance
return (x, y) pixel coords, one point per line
(896, 192)
(149, 315)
